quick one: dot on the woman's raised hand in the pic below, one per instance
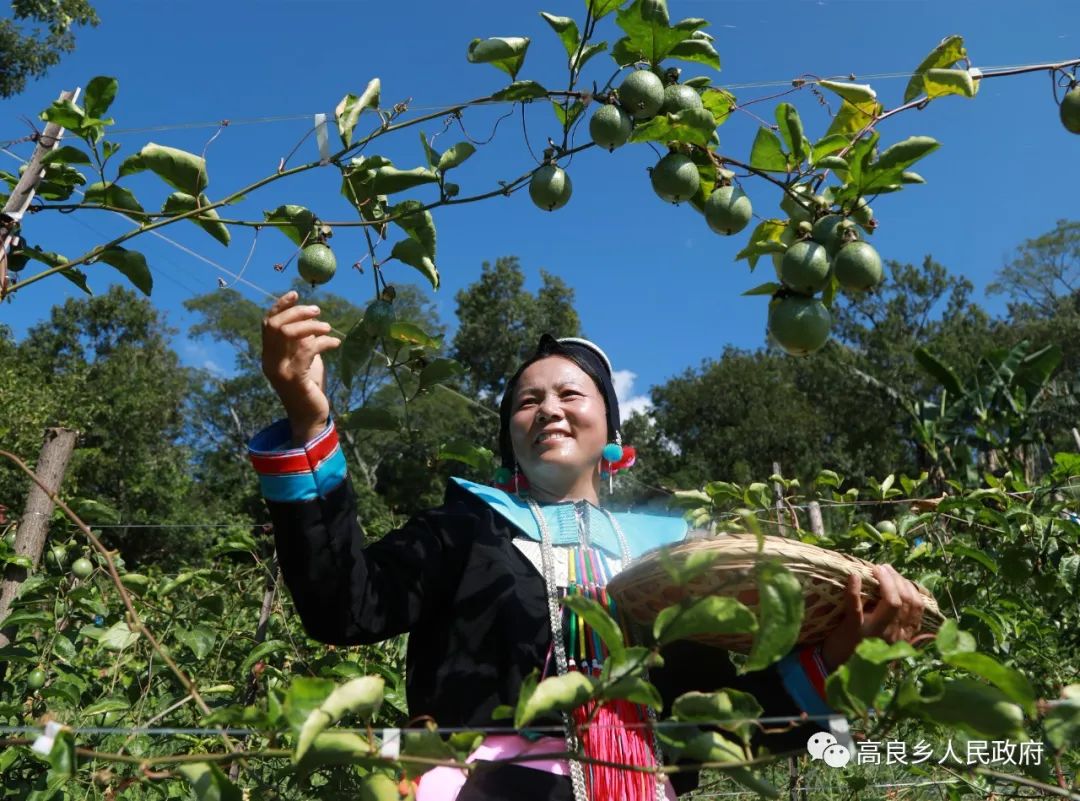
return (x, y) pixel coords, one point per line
(897, 615)
(292, 339)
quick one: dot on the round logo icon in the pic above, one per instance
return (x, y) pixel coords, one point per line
(818, 742)
(836, 756)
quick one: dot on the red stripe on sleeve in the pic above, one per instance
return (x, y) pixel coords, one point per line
(813, 670)
(298, 462)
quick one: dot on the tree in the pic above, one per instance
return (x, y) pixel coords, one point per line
(104, 367)
(1044, 272)
(29, 54)
(500, 322)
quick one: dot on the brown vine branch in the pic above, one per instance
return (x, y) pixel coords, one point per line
(134, 621)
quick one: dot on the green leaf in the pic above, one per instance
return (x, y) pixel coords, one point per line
(566, 29)
(941, 82)
(950, 50)
(977, 708)
(852, 92)
(828, 145)
(456, 156)
(438, 371)
(731, 710)
(952, 639)
(412, 252)
(118, 637)
(114, 704)
(431, 155)
(831, 163)
(62, 757)
(791, 129)
(411, 217)
(714, 747)
(521, 90)
(718, 102)
(587, 53)
(712, 615)
(260, 652)
(598, 619)
(601, 8)
(355, 352)
(555, 694)
(979, 556)
(344, 748)
(768, 288)
(100, 93)
(505, 52)
(905, 153)
(649, 33)
(852, 118)
(907, 177)
(371, 418)
(768, 153)
(66, 114)
(301, 222)
(199, 639)
(698, 48)
(115, 196)
(178, 168)
(348, 111)
(209, 783)
(1062, 723)
(65, 155)
(692, 125)
(180, 202)
(567, 118)
(132, 264)
(462, 450)
(413, 334)
(1009, 680)
(944, 374)
(763, 239)
(305, 694)
(361, 697)
(389, 179)
(780, 614)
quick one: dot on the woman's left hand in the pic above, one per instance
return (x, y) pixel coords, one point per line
(897, 615)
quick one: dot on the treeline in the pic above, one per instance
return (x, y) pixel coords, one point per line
(919, 378)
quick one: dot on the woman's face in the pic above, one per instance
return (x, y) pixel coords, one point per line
(558, 422)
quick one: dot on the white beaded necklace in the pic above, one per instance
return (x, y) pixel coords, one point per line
(547, 558)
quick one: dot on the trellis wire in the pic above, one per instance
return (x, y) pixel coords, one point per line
(763, 84)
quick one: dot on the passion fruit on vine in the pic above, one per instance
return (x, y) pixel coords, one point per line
(641, 94)
(680, 97)
(317, 264)
(675, 177)
(82, 567)
(378, 317)
(805, 267)
(833, 231)
(858, 267)
(610, 127)
(35, 679)
(798, 324)
(1070, 110)
(728, 210)
(550, 187)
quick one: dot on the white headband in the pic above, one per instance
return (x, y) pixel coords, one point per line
(591, 346)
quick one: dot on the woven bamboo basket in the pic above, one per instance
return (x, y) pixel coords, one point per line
(645, 588)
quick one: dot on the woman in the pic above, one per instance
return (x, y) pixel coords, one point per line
(476, 581)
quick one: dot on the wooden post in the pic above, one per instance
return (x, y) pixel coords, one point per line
(19, 200)
(778, 495)
(34, 524)
(817, 525)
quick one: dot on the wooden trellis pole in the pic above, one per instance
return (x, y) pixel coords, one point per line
(19, 200)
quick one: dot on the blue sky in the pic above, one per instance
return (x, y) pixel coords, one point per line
(655, 287)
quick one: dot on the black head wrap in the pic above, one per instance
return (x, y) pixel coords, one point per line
(585, 355)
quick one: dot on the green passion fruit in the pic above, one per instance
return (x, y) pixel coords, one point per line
(680, 97)
(378, 317)
(675, 178)
(610, 127)
(641, 94)
(832, 232)
(728, 210)
(1070, 110)
(788, 238)
(858, 267)
(550, 187)
(82, 567)
(805, 267)
(35, 679)
(799, 325)
(317, 264)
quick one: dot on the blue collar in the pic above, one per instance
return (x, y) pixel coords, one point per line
(644, 531)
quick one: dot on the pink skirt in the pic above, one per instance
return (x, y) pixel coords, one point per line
(444, 783)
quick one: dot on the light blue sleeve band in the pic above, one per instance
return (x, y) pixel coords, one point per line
(799, 687)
